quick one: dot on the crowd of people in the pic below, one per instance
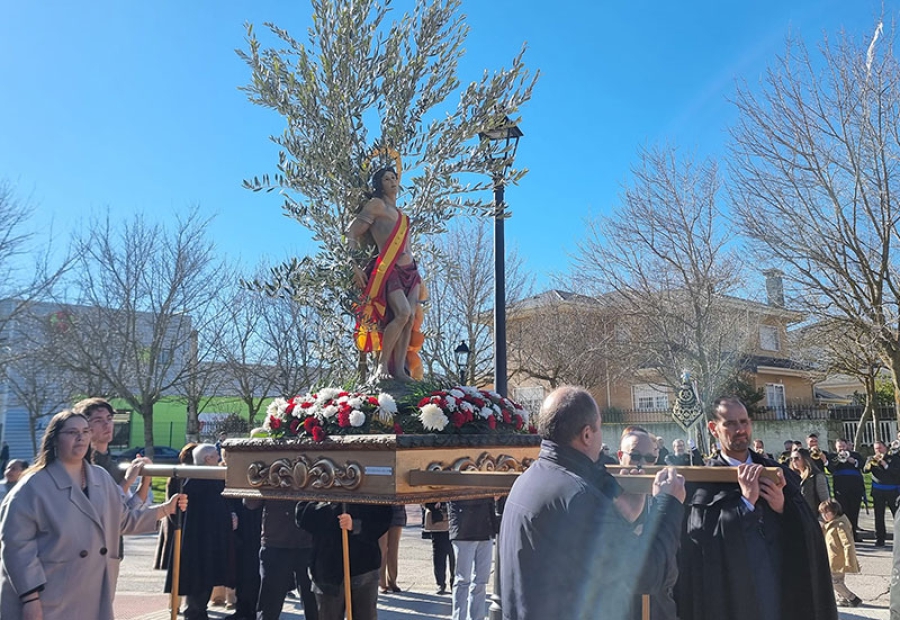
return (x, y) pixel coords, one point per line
(775, 544)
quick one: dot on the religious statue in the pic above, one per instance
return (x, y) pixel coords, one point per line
(390, 282)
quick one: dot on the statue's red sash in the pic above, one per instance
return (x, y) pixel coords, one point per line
(372, 308)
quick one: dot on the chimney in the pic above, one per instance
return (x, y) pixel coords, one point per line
(774, 287)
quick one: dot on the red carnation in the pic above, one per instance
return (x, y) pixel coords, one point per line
(424, 401)
(519, 422)
(290, 407)
(294, 426)
(492, 422)
(398, 430)
(343, 394)
(532, 429)
(343, 418)
(318, 434)
(506, 417)
(274, 423)
(458, 419)
(306, 405)
(469, 416)
(373, 401)
(309, 424)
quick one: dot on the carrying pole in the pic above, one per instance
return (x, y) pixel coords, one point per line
(175, 560)
(345, 539)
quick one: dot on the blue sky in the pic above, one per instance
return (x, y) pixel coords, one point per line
(134, 106)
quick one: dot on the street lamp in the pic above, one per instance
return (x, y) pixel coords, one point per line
(507, 135)
(462, 354)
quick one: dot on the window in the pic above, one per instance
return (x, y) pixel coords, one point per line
(768, 338)
(646, 397)
(775, 398)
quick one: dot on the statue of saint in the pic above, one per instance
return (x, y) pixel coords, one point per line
(390, 282)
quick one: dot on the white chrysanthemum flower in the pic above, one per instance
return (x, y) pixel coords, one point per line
(357, 418)
(277, 407)
(486, 412)
(457, 393)
(387, 403)
(266, 423)
(330, 411)
(471, 391)
(327, 394)
(433, 419)
(355, 402)
(466, 406)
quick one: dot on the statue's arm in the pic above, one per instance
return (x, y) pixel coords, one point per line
(363, 221)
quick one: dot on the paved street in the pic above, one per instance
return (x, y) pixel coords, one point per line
(139, 594)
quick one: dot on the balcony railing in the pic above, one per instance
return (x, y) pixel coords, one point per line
(850, 413)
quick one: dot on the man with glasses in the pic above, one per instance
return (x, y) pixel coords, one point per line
(568, 548)
(637, 451)
(751, 548)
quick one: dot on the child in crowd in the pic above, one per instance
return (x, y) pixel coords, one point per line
(841, 550)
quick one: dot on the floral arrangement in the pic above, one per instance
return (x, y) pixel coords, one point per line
(332, 411)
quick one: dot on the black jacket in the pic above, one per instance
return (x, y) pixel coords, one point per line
(726, 547)
(565, 550)
(370, 522)
(472, 519)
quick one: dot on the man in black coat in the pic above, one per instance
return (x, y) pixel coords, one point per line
(207, 544)
(567, 547)
(751, 549)
(365, 524)
(845, 466)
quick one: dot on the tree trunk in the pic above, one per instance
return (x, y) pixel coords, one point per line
(146, 410)
(192, 430)
(868, 412)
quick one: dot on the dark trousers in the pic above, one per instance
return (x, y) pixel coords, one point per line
(441, 556)
(880, 501)
(282, 570)
(195, 608)
(363, 596)
(849, 491)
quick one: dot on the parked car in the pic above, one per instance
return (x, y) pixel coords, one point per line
(161, 454)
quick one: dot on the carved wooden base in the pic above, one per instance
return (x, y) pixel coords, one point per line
(374, 468)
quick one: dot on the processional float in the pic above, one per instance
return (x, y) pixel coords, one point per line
(401, 469)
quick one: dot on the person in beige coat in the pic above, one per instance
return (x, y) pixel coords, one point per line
(60, 531)
(841, 550)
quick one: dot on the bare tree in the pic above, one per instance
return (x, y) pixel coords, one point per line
(362, 93)
(25, 270)
(836, 346)
(142, 292)
(560, 338)
(460, 280)
(814, 172)
(665, 259)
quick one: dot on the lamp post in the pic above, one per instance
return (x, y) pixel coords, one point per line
(508, 135)
(462, 354)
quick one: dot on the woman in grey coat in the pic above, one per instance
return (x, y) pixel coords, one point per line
(60, 531)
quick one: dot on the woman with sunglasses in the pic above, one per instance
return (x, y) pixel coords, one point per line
(813, 486)
(60, 530)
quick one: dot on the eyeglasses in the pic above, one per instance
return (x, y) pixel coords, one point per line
(72, 434)
(637, 457)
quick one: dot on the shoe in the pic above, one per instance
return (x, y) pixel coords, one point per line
(396, 588)
(230, 607)
(384, 590)
(879, 543)
(855, 602)
(441, 590)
